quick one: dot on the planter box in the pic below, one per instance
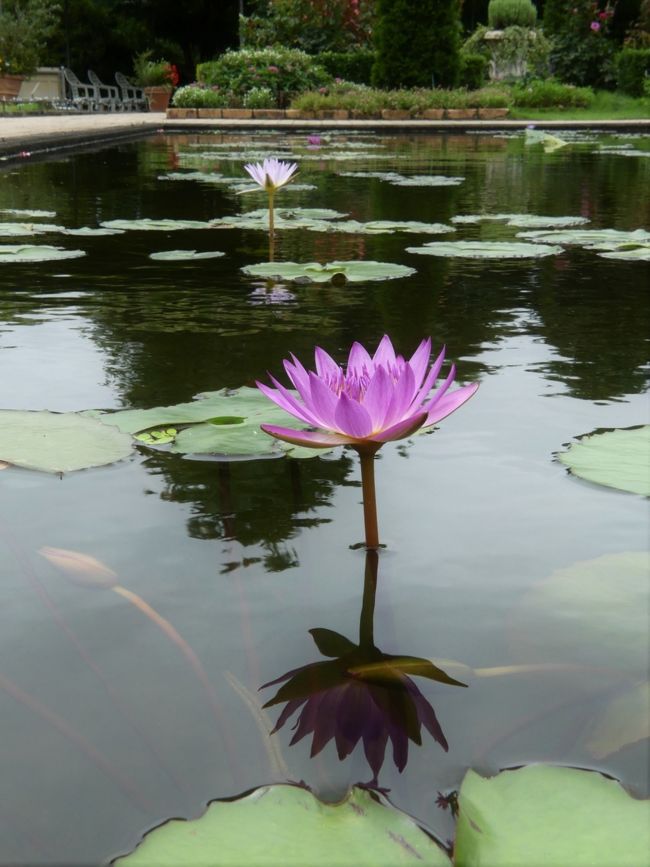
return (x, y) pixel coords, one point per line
(433, 113)
(269, 113)
(207, 113)
(492, 113)
(10, 85)
(395, 114)
(363, 115)
(333, 114)
(180, 113)
(461, 113)
(296, 114)
(237, 113)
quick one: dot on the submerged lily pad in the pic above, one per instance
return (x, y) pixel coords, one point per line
(287, 825)
(216, 423)
(148, 225)
(550, 817)
(531, 221)
(36, 253)
(617, 459)
(356, 271)
(184, 255)
(59, 442)
(485, 250)
(625, 721)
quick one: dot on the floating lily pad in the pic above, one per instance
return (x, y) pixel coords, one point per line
(287, 215)
(356, 271)
(628, 253)
(412, 226)
(550, 142)
(26, 212)
(157, 437)
(426, 181)
(87, 231)
(592, 613)
(618, 459)
(588, 238)
(485, 250)
(550, 817)
(312, 219)
(625, 721)
(217, 423)
(205, 177)
(531, 221)
(59, 442)
(287, 825)
(36, 253)
(21, 230)
(184, 255)
(148, 225)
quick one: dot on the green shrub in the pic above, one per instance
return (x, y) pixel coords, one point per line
(370, 102)
(260, 97)
(284, 71)
(632, 70)
(582, 52)
(200, 96)
(417, 43)
(548, 93)
(473, 70)
(511, 13)
(349, 65)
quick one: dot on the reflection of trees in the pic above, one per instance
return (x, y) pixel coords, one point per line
(252, 502)
(360, 694)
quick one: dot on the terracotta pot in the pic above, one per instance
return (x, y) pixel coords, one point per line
(158, 97)
(10, 85)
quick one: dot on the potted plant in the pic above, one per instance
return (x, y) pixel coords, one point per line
(24, 27)
(157, 77)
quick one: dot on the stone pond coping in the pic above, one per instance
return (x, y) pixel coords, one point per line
(334, 114)
(31, 136)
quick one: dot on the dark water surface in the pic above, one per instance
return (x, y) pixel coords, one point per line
(106, 727)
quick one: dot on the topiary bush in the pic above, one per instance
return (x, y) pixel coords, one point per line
(473, 70)
(511, 13)
(348, 65)
(284, 71)
(417, 43)
(632, 70)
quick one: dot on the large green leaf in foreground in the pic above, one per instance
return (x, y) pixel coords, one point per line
(617, 459)
(542, 816)
(287, 825)
(356, 271)
(59, 442)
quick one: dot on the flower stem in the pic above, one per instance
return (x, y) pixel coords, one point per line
(271, 226)
(367, 456)
(366, 621)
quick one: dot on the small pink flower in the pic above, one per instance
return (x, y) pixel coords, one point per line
(273, 69)
(595, 26)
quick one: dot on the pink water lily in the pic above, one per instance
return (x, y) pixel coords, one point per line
(373, 400)
(272, 173)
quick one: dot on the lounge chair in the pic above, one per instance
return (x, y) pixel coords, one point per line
(77, 94)
(133, 98)
(107, 97)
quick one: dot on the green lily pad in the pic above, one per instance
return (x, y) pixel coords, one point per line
(357, 271)
(550, 142)
(184, 255)
(59, 442)
(531, 221)
(413, 226)
(426, 181)
(19, 230)
(148, 225)
(287, 215)
(205, 177)
(157, 437)
(617, 459)
(628, 253)
(90, 232)
(593, 613)
(312, 219)
(216, 423)
(588, 238)
(36, 253)
(485, 250)
(26, 212)
(287, 825)
(550, 817)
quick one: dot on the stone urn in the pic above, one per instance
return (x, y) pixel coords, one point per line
(499, 69)
(158, 97)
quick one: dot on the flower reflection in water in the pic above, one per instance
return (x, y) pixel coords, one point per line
(360, 693)
(270, 294)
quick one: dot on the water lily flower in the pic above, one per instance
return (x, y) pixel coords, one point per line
(272, 174)
(373, 400)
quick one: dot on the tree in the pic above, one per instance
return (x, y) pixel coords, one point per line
(417, 43)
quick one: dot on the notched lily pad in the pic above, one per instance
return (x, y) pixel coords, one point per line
(59, 442)
(288, 825)
(184, 255)
(618, 458)
(36, 253)
(336, 272)
(550, 817)
(485, 250)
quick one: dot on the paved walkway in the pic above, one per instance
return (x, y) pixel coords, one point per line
(21, 135)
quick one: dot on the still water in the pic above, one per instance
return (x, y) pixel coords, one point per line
(107, 726)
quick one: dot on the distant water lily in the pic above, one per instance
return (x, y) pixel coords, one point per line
(271, 175)
(373, 400)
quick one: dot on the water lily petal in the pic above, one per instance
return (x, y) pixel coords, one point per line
(351, 418)
(256, 172)
(429, 380)
(323, 401)
(420, 359)
(403, 393)
(283, 398)
(309, 439)
(326, 367)
(450, 403)
(402, 429)
(359, 361)
(384, 354)
(377, 397)
(297, 374)
(441, 389)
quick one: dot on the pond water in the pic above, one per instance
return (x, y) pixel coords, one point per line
(517, 578)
